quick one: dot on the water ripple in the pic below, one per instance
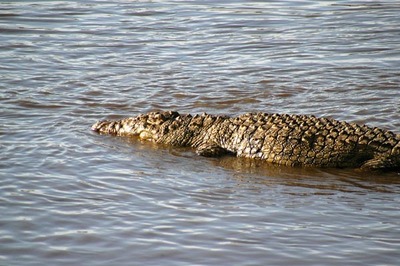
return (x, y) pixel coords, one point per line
(70, 196)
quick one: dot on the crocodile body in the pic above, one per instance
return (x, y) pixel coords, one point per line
(294, 140)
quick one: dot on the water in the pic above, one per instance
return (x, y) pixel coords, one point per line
(71, 197)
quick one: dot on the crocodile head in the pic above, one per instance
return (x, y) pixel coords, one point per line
(147, 126)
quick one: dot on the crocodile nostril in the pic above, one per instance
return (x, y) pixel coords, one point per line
(95, 127)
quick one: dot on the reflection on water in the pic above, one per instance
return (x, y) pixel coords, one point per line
(69, 196)
(318, 180)
(257, 172)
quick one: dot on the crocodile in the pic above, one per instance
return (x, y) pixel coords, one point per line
(283, 139)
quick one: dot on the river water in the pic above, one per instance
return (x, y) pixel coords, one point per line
(71, 197)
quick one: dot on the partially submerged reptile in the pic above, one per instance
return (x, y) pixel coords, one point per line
(294, 140)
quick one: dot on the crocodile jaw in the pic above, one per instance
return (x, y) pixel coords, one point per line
(125, 127)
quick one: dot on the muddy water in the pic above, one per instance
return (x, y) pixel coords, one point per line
(70, 197)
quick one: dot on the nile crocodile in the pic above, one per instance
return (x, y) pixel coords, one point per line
(294, 140)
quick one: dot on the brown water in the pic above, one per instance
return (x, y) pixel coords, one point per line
(71, 197)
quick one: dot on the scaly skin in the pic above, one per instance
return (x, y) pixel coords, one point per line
(294, 140)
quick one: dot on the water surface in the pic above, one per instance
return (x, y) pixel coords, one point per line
(71, 197)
